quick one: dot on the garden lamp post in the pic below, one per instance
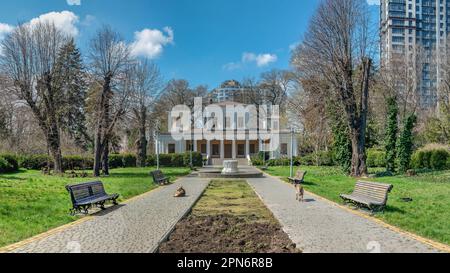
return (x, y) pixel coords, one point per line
(292, 152)
(157, 145)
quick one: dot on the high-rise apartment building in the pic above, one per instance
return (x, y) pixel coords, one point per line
(407, 25)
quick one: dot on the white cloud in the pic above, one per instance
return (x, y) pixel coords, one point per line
(261, 60)
(232, 66)
(150, 42)
(373, 2)
(74, 2)
(66, 21)
(4, 30)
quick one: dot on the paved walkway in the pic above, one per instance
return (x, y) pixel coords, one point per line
(317, 226)
(136, 227)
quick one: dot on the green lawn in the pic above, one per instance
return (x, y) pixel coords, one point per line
(31, 203)
(428, 215)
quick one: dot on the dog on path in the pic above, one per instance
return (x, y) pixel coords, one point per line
(180, 192)
(300, 193)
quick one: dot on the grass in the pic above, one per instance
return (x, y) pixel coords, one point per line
(232, 197)
(31, 203)
(428, 215)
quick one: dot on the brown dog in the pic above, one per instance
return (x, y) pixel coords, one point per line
(180, 192)
(300, 193)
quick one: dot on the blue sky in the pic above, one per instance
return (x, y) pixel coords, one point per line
(203, 41)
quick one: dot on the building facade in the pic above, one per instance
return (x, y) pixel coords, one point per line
(229, 91)
(407, 24)
(241, 144)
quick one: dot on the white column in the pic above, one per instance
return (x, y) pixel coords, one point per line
(195, 146)
(208, 148)
(247, 148)
(234, 149)
(222, 149)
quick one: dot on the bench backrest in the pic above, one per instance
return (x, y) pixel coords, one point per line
(157, 175)
(373, 190)
(300, 175)
(85, 190)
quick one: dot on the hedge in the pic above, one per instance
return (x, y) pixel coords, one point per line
(323, 158)
(176, 160)
(76, 162)
(35, 162)
(437, 159)
(4, 165)
(376, 158)
(12, 162)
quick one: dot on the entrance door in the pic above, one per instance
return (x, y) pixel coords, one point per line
(228, 151)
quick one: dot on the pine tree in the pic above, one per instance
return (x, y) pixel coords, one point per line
(391, 134)
(71, 77)
(405, 145)
(342, 145)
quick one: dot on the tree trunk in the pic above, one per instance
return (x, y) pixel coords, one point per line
(359, 125)
(142, 143)
(54, 146)
(101, 126)
(105, 159)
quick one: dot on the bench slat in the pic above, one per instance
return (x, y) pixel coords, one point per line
(369, 194)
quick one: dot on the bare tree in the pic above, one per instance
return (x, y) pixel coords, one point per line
(109, 56)
(336, 48)
(401, 77)
(29, 57)
(146, 87)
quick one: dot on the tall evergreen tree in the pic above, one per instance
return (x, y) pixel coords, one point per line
(71, 78)
(405, 145)
(391, 134)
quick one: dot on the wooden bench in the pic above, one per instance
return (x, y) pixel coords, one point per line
(371, 195)
(86, 195)
(299, 178)
(159, 178)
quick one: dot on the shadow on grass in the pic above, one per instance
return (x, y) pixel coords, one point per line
(392, 209)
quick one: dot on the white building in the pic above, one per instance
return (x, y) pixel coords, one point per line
(241, 144)
(406, 24)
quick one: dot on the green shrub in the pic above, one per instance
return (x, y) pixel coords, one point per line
(12, 161)
(376, 158)
(431, 159)
(35, 162)
(4, 165)
(116, 161)
(129, 160)
(257, 161)
(176, 160)
(197, 159)
(279, 162)
(77, 162)
(438, 160)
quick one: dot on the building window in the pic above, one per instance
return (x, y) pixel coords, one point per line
(252, 149)
(171, 148)
(215, 150)
(204, 149)
(284, 149)
(241, 149)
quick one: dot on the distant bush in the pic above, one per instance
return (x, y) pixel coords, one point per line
(129, 160)
(279, 162)
(4, 165)
(376, 158)
(35, 162)
(176, 160)
(257, 161)
(77, 162)
(437, 159)
(12, 161)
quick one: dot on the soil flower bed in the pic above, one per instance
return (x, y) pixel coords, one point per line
(229, 218)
